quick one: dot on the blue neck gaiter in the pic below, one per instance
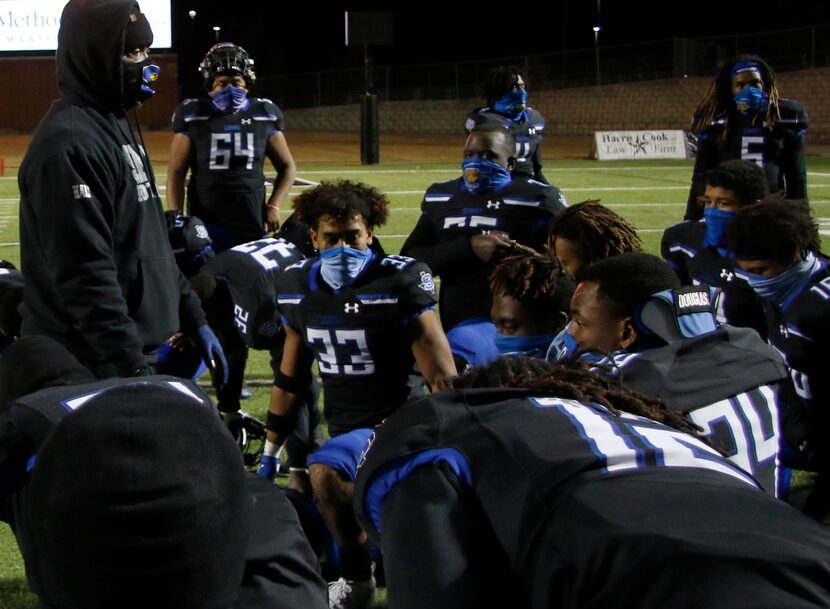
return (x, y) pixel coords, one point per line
(751, 100)
(511, 104)
(481, 175)
(341, 265)
(563, 346)
(230, 99)
(525, 346)
(780, 288)
(716, 221)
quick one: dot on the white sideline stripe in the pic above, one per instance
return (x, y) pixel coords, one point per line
(16, 243)
(639, 230)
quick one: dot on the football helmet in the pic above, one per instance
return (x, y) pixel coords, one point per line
(226, 57)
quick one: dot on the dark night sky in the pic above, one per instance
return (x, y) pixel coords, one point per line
(301, 36)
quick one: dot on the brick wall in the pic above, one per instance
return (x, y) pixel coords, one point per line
(663, 104)
(35, 87)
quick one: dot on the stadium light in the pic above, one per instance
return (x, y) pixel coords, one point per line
(596, 29)
(216, 29)
(192, 14)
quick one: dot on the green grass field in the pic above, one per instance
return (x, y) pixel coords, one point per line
(650, 194)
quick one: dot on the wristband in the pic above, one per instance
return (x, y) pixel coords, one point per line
(279, 424)
(291, 384)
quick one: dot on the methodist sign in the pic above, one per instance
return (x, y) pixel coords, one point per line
(627, 145)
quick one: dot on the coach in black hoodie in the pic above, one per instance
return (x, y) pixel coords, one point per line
(100, 276)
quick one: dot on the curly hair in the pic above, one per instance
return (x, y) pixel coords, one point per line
(627, 280)
(499, 81)
(719, 99)
(745, 178)
(571, 379)
(599, 231)
(342, 200)
(537, 281)
(774, 229)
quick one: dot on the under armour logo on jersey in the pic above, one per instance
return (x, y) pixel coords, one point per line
(727, 275)
(351, 307)
(245, 121)
(493, 204)
(784, 331)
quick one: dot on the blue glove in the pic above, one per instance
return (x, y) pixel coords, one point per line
(268, 467)
(211, 351)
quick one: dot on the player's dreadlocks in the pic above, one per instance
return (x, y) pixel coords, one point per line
(599, 231)
(342, 200)
(719, 98)
(774, 229)
(499, 81)
(537, 281)
(571, 379)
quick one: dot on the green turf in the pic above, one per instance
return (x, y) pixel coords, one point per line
(651, 194)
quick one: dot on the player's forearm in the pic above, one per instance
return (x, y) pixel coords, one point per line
(282, 414)
(175, 190)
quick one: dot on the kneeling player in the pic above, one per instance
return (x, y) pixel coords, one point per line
(363, 315)
(538, 485)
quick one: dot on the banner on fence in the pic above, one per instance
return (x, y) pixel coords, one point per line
(628, 145)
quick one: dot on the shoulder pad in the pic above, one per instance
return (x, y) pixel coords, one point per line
(441, 192)
(535, 118)
(397, 262)
(793, 114)
(193, 109)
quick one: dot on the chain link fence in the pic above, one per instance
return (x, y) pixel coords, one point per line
(784, 50)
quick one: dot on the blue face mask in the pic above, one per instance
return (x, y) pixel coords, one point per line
(511, 104)
(789, 282)
(527, 346)
(563, 346)
(716, 221)
(751, 101)
(341, 265)
(230, 99)
(480, 175)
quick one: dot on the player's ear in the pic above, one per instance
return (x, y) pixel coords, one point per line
(511, 163)
(627, 333)
(315, 238)
(370, 232)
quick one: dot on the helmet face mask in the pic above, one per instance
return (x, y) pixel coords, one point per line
(227, 58)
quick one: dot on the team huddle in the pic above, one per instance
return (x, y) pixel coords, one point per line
(522, 408)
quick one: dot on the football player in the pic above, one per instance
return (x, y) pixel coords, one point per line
(696, 249)
(587, 232)
(130, 493)
(11, 295)
(538, 485)
(224, 139)
(362, 315)
(470, 223)
(531, 301)
(663, 341)
(743, 117)
(776, 244)
(506, 93)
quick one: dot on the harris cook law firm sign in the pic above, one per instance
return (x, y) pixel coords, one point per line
(617, 145)
(32, 25)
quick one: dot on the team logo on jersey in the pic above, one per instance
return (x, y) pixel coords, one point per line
(427, 284)
(692, 300)
(470, 124)
(363, 454)
(268, 329)
(81, 191)
(201, 232)
(351, 307)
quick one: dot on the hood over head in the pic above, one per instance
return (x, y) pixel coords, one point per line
(90, 46)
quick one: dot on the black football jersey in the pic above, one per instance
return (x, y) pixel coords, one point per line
(450, 215)
(779, 151)
(800, 331)
(683, 248)
(727, 382)
(227, 183)
(11, 295)
(527, 132)
(588, 507)
(358, 334)
(250, 271)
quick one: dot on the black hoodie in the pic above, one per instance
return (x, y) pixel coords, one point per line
(100, 276)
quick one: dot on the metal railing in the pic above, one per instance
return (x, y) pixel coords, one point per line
(784, 50)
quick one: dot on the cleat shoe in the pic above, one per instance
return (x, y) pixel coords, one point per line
(352, 594)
